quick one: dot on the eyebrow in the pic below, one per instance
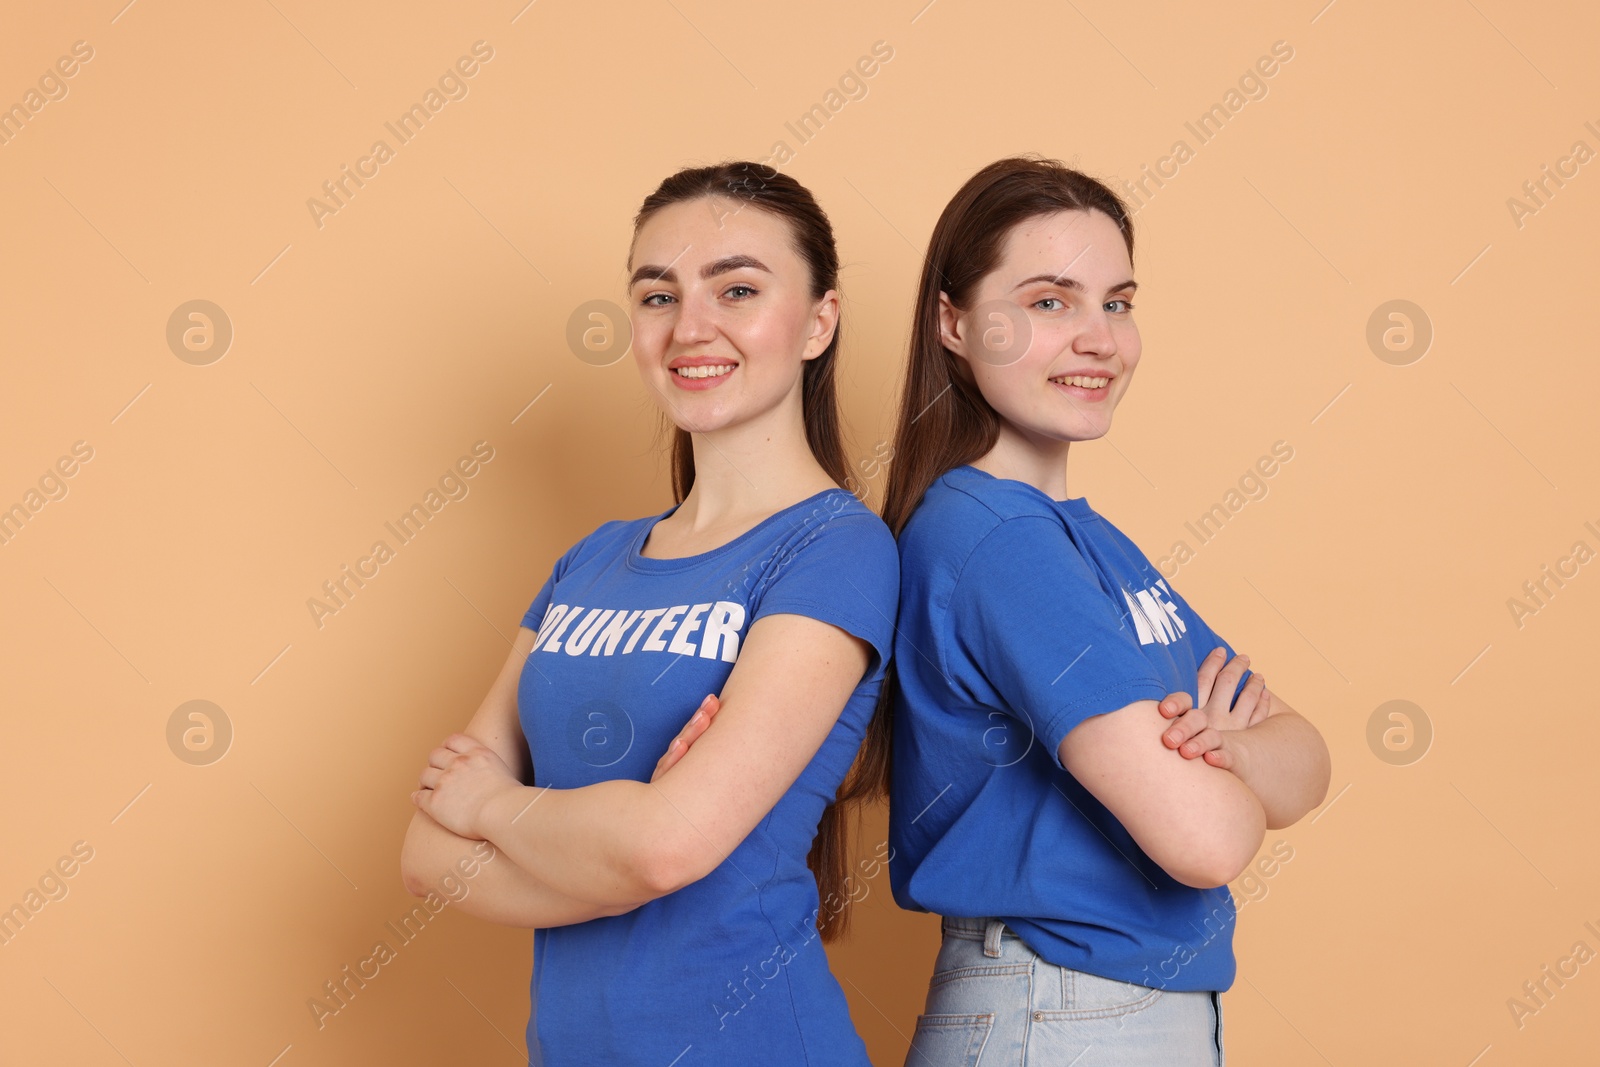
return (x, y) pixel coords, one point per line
(1072, 283)
(651, 272)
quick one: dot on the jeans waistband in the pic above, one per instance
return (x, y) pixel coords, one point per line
(973, 928)
(990, 931)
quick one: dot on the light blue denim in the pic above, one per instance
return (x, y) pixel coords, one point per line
(994, 1002)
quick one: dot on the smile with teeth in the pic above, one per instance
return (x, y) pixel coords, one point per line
(1083, 381)
(710, 371)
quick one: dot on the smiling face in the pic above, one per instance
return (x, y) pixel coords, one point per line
(722, 313)
(1049, 332)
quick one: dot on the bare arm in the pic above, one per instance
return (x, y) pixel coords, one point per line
(1270, 746)
(1283, 760)
(500, 891)
(1201, 824)
(625, 841)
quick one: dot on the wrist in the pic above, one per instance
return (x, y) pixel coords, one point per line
(1238, 744)
(500, 807)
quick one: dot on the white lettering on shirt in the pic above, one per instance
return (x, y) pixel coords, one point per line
(710, 630)
(1154, 617)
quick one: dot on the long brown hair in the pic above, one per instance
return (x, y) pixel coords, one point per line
(944, 420)
(757, 186)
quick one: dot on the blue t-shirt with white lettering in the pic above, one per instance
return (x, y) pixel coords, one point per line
(730, 969)
(1020, 617)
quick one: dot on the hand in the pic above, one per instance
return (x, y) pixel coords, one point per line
(692, 729)
(1199, 730)
(462, 775)
(1212, 666)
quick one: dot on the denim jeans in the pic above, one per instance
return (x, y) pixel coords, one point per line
(994, 1002)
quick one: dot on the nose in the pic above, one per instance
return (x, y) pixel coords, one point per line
(1095, 338)
(695, 323)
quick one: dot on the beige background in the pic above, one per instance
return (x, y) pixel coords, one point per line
(372, 351)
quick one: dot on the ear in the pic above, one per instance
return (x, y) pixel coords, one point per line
(823, 325)
(950, 325)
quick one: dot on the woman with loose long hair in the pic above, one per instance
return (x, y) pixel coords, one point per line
(1080, 764)
(679, 904)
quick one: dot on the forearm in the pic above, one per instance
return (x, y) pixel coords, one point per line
(496, 889)
(605, 842)
(1209, 831)
(1286, 765)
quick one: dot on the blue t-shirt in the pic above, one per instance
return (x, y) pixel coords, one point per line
(1020, 617)
(730, 969)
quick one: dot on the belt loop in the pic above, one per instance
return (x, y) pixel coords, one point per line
(991, 937)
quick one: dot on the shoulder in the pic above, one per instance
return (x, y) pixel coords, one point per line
(836, 530)
(966, 508)
(610, 538)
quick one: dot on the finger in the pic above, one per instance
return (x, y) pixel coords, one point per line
(1227, 681)
(680, 744)
(1175, 704)
(1188, 725)
(1200, 744)
(1263, 705)
(1220, 757)
(1245, 707)
(1208, 671)
(429, 778)
(461, 743)
(668, 758)
(694, 727)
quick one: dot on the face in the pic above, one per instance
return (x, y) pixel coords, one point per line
(722, 313)
(1049, 333)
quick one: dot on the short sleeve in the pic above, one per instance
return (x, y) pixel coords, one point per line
(1029, 616)
(847, 573)
(533, 618)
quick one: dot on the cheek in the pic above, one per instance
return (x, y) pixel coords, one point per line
(770, 342)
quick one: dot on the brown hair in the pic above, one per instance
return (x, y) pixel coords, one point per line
(769, 190)
(944, 419)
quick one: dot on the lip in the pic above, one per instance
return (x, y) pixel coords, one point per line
(700, 385)
(1080, 392)
(701, 361)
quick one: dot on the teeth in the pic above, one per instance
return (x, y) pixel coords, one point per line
(1083, 380)
(716, 371)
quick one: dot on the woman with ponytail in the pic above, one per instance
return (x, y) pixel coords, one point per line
(679, 903)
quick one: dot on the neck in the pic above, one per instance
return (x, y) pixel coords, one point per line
(755, 468)
(1038, 461)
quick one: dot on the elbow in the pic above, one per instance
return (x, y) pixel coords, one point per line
(410, 877)
(1214, 861)
(664, 864)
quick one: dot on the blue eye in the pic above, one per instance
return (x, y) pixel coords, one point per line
(650, 300)
(737, 288)
(1128, 304)
(1047, 300)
